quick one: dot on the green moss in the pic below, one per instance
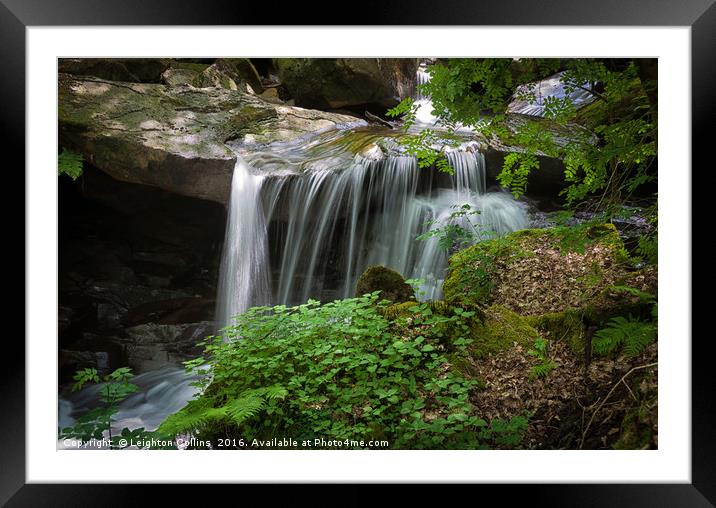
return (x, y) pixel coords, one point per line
(390, 283)
(500, 329)
(399, 310)
(564, 326)
(463, 366)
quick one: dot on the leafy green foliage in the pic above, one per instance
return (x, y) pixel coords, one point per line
(339, 370)
(504, 434)
(70, 163)
(515, 171)
(608, 155)
(113, 389)
(546, 365)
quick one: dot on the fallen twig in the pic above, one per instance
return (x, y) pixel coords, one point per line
(601, 404)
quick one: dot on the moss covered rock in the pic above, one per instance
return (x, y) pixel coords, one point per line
(391, 284)
(492, 330)
(537, 271)
(181, 73)
(562, 280)
(501, 329)
(230, 73)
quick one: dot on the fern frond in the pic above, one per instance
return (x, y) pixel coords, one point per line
(241, 409)
(635, 335)
(70, 163)
(275, 392)
(190, 418)
(542, 370)
(640, 336)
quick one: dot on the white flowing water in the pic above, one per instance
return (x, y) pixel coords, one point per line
(329, 214)
(244, 279)
(161, 392)
(551, 87)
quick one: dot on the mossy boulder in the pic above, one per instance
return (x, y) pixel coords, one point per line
(230, 73)
(537, 271)
(241, 70)
(182, 73)
(391, 284)
(562, 280)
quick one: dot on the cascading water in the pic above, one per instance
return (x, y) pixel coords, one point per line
(329, 214)
(244, 275)
(551, 87)
(161, 392)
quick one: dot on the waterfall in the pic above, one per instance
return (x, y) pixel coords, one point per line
(424, 114)
(549, 87)
(244, 276)
(321, 215)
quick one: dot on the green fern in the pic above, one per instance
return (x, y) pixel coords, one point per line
(70, 163)
(197, 414)
(546, 365)
(633, 334)
(542, 370)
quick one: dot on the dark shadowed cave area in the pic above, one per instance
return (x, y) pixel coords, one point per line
(137, 273)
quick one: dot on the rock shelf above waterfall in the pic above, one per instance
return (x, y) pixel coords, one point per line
(174, 137)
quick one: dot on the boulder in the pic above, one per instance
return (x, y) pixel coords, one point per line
(174, 137)
(151, 346)
(334, 83)
(135, 70)
(182, 73)
(231, 73)
(390, 283)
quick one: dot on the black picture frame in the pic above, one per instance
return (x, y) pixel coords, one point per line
(16, 15)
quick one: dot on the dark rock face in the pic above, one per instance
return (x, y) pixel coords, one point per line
(138, 268)
(390, 283)
(335, 83)
(135, 70)
(547, 181)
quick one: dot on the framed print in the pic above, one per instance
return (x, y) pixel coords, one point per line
(383, 252)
